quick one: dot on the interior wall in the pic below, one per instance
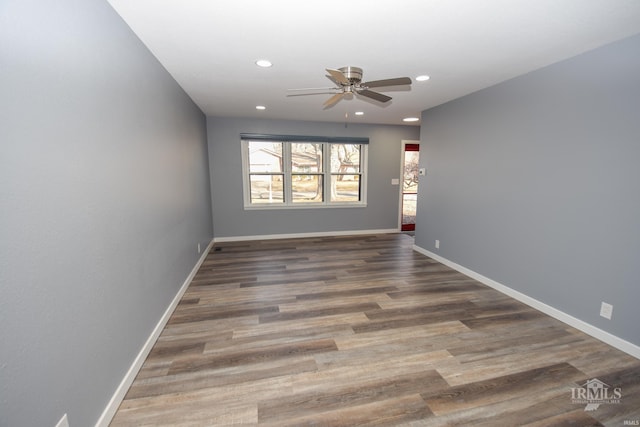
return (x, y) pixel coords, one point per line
(534, 183)
(104, 188)
(232, 220)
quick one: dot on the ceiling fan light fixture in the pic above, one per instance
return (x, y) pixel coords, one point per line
(263, 63)
(422, 78)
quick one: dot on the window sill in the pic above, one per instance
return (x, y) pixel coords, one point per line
(303, 206)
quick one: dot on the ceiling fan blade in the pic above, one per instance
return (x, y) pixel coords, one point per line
(312, 93)
(338, 76)
(315, 88)
(374, 95)
(388, 82)
(333, 100)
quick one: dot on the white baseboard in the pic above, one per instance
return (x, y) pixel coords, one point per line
(583, 326)
(301, 235)
(121, 391)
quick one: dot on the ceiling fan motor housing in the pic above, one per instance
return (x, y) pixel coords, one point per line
(353, 74)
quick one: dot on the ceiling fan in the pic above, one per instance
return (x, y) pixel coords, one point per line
(348, 82)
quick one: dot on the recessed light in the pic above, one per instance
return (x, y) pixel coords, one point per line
(359, 113)
(410, 119)
(264, 63)
(260, 107)
(422, 78)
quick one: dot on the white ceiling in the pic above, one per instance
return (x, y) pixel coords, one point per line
(210, 48)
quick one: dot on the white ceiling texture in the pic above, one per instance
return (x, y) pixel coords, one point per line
(210, 47)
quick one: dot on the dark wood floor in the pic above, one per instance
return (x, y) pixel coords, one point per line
(362, 330)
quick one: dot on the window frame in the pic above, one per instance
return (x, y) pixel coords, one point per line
(326, 174)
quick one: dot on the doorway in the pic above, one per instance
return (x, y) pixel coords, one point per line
(409, 185)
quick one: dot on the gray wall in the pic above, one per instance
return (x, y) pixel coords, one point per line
(231, 220)
(535, 183)
(104, 194)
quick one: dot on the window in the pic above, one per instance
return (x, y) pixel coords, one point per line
(293, 172)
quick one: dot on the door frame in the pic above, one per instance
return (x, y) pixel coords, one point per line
(402, 149)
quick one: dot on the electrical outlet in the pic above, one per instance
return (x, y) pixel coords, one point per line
(437, 244)
(198, 247)
(606, 310)
(64, 422)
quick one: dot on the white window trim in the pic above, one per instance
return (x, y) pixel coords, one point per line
(326, 165)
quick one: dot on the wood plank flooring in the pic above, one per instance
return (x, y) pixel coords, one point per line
(362, 330)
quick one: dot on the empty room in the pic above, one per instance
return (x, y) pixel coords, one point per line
(289, 213)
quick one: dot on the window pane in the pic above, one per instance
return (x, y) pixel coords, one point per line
(345, 188)
(266, 189)
(306, 188)
(409, 202)
(345, 158)
(265, 156)
(410, 178)
(306, 157)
